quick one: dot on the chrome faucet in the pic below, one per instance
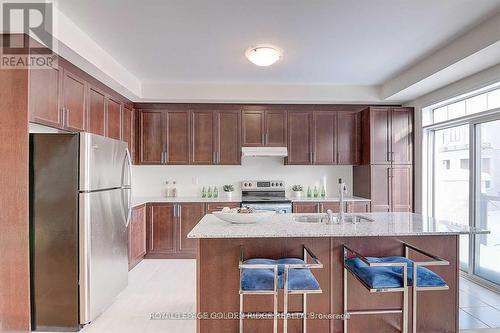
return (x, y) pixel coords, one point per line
(331, 216)
(342, 191)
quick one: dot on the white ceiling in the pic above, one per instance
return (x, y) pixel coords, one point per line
(362, 42)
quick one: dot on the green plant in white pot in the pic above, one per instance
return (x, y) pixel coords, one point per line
(228, 190)
(297, 191)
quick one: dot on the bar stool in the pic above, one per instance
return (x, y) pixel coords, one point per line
(392, 274)
(378, 275)
(266, 276)
(426, 280)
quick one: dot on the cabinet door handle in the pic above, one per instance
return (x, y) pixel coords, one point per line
(267, 138)
(263, 138)
(165, 159)
(63, 116)
(217, 155)
(161, 157)
(214, 158)
(179, 211)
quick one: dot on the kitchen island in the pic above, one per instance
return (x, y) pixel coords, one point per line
(281, 236)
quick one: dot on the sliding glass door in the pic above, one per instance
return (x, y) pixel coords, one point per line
(487, 199)
(462, 137)
(451, 180)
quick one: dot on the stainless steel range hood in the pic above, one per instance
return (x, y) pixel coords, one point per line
(264, 151)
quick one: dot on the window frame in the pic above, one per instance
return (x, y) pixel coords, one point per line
(428, 164)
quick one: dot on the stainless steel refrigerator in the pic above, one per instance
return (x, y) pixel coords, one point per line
(80, 206)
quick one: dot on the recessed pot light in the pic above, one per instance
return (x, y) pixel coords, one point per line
(264, 55)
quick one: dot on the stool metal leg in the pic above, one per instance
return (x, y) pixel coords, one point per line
(414, 299)
(304, 313)
(241, 313)
(285, 301)
(275, 301)
(345, 299)
(405, 299)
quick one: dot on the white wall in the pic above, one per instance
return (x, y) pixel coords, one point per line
(150, 180)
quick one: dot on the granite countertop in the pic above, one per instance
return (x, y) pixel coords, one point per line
(142, 200)
(329, 199)
(235, 198)
(283, 225)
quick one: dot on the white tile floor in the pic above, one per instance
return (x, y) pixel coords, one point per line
(169, 286)
(479, 307)
(154, 286)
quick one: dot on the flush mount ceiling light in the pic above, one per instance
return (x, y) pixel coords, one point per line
(264, 55)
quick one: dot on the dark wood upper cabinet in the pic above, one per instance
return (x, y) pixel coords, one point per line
(215, 137)
(74, 91)
(227, 137)
(203, 137)
(96, 111)
(44, 92)
(189, 214)
(401, 135)
(128, 129)
(113, 119)
(299, 138)
(264, 128)
(161, 229)
(253, 130)
(348, 138)
(275, 128)
(324, 138)
(178, 134)
(380, 130)
(387, 135)
(151, 137)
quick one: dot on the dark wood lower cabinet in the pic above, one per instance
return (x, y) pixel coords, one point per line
(188, 215)
(358, 207)
(161, 228)
(305, 207)
(137, 236)
(216, 206)
(322, 207)
(168, 227)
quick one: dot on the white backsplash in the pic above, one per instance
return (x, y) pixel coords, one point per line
(150, 180)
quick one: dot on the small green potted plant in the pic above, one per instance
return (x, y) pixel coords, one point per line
(297, 191)
(228, 190)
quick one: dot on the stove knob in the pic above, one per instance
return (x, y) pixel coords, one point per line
(250, 184)
(272, 184)
(245, 184)
(281, 184)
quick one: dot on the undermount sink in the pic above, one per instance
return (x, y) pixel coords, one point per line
(324, 219)
(311, 218)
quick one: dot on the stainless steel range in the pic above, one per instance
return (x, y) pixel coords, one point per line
(265, 195)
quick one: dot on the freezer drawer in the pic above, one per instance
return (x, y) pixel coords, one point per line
(103, 251)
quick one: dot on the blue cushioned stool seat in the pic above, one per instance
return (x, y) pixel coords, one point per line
(392, 277)
(262, 279)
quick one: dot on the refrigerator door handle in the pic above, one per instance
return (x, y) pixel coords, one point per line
(127, 187)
